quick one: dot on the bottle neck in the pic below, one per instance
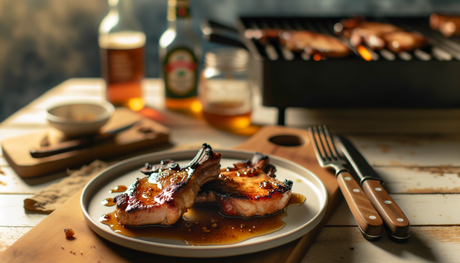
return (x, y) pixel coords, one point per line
(122, 16)
(178, 10)
(125, 10)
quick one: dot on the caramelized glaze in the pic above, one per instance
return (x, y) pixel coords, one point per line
(205, 226)
(108, 202)
(119, 189)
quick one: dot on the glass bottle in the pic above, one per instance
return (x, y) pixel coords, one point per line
(122, 44)
(225, 89)
(179, 52)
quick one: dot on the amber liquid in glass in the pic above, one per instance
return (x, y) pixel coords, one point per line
(226, 115)
(122, 64)
(187, 105)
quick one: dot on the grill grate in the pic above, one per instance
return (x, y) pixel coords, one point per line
(440, 48)
(422, 78)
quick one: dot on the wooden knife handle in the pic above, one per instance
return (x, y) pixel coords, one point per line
(397, 224)
(60, 148)
(367, 218)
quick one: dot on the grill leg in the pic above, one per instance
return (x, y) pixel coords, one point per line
(281, 116)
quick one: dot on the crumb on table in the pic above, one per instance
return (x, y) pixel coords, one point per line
(69, 233)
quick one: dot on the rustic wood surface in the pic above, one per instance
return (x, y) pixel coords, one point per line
(69, 216)
(17, 149)
(416, 152)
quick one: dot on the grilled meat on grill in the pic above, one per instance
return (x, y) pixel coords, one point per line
(302, 41)
(247, 189)
(403, 41)
(358, 31)
(378, 35)
(167, 191)
(314, 43)
(371, 34)
(448, 25)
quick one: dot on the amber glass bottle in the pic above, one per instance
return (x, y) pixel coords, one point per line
(121, 43)
(179, 53)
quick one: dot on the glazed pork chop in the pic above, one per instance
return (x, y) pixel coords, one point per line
(167, 191)
(247, 189)
(379, 35)
(448, 25)
(314, 43)
(302, 41)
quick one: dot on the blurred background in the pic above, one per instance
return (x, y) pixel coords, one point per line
(44, 42)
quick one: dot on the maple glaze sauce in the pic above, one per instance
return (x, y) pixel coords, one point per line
(118, 189)
(206, 226)
(108, 202)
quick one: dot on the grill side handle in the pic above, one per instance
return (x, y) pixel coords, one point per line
(218, 33)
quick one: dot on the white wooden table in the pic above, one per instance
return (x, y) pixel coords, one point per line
(416, 152)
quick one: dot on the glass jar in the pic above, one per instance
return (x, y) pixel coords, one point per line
(225, 92)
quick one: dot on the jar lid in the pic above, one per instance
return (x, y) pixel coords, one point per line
(227, 58)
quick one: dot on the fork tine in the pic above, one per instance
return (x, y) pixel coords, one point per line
(330, 143)
(315, 135)
(324, 143)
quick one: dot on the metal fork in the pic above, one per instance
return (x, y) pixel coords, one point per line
(369, 221)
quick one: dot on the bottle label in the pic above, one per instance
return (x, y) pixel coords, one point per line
(122, 56)
(180, 73)
(182, 9)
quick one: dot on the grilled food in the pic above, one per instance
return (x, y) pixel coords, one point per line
(167, 191)
(314, 43)
(403, 41)
(448, 25)
(378, 35)
(247, 189)
(302, 41)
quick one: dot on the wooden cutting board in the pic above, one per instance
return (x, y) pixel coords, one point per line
(146, 133)
(46, 241)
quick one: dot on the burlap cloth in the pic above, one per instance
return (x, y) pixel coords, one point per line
(50, 198)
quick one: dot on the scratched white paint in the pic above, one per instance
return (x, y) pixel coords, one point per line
(412, 180)
(9, 235)
(419, 209)
(11, 183)
(409, 151)
(14, 205)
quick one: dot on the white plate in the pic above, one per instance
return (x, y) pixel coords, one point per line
(299, 221)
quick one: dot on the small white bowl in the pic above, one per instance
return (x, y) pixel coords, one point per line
(79, 117)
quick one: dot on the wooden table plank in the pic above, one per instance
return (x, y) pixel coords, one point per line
(378, 121)
(216, 138)
(409, 150)
(415, 151)
(424, 180)
(346, 244)
(421, 210)
(9, 235)
(14, 184)
(14, 205)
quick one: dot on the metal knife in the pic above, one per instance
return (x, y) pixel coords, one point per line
(76, 144)
(396, 223)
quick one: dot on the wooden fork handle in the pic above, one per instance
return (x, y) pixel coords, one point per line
(369, 221)
(396, 222)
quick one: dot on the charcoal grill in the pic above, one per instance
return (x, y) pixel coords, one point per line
(423, 78)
